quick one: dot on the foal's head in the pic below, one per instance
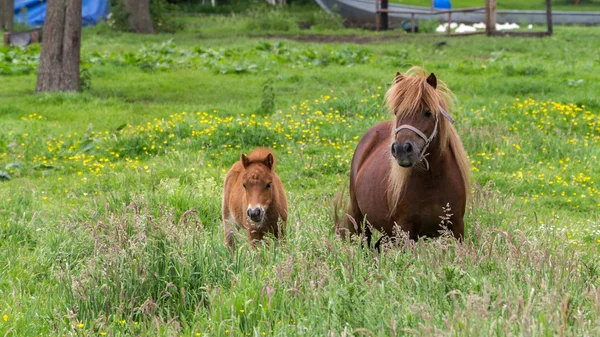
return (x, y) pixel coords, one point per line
(258, 185)
(419, 108)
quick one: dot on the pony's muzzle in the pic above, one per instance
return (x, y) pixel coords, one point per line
(404, 153)
(255, 214)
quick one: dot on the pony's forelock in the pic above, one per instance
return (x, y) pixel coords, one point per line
(259, 154)
(410, 93)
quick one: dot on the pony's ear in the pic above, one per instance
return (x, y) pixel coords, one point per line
(245, 160)
(398, 77)
(269, 161)
(432, 80)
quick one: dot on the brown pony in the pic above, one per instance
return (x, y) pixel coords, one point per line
(411, 173)
(253, 198)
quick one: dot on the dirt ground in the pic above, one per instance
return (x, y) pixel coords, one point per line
(331, 38)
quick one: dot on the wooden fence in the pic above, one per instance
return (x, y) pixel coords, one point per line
(382, 18)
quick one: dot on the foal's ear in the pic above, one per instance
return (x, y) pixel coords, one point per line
(432, 80)
(398, 77)
(269, 161)
(245, 160)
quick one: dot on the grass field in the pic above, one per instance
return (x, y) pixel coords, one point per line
(110, 221)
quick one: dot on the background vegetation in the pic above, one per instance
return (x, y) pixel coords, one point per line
(110, 199)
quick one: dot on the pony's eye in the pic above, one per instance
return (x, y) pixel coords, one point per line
(268, 185)
(428, 113)
(244, 186)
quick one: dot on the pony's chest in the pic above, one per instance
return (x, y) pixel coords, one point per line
(427, 214)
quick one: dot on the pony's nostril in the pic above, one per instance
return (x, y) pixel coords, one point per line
(408, 147)
(396, 149)
(254, 213)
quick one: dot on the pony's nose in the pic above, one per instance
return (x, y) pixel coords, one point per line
(395, 149)
(407, 147)
(255, 214)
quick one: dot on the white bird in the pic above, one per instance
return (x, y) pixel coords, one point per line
(506, 26)
(465, 29)
(480, 25)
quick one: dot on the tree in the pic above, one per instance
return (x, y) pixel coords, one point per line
(61, 47)
(7, 13)
(139, 15)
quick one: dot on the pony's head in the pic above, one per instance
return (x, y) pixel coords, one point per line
(258, 184)
(419, 104)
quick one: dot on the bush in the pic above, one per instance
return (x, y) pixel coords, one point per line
(427, 26)
(321, 20)
(160, 14)
(222, 7)
(268, 19)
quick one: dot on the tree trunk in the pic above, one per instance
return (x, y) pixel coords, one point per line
(7, 13)
(61, 47)
(139, 16)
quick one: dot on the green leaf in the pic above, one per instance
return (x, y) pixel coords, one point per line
(45, 167)
(13, 166)
(86, 145)
(4, 176)
(121, 127)
(88, 131)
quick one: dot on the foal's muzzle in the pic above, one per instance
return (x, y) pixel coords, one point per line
(255, 214)
(404, 153)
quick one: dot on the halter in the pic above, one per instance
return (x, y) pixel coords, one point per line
(422, 135)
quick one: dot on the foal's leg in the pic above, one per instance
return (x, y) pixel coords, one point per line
(279, 230)
(255, 236)
(228, 225)
(229, 241)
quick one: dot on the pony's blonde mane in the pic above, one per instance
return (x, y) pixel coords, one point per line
(410, 94)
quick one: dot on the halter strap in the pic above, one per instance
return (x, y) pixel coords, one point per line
(422, 135)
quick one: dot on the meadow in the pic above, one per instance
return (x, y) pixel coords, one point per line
(110, 198)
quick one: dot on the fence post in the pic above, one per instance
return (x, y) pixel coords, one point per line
(549, 16)
(384, 15)
(490, 17)
(377, 16)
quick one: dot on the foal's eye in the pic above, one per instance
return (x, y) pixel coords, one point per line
(244, 186)
(268, 185)
(428, 113)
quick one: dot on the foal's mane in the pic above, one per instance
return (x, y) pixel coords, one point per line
(410, 94)
(259, 154)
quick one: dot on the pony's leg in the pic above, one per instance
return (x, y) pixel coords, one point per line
(368, 235)
(279, 230)
(255, 236)
(229, 240)
(355, 221)
(458, 229)
(379, 242)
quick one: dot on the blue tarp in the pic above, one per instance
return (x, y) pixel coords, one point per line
(442, 4)
(33, 12)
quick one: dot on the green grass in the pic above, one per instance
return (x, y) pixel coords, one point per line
(558, 5)
(111, 223)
